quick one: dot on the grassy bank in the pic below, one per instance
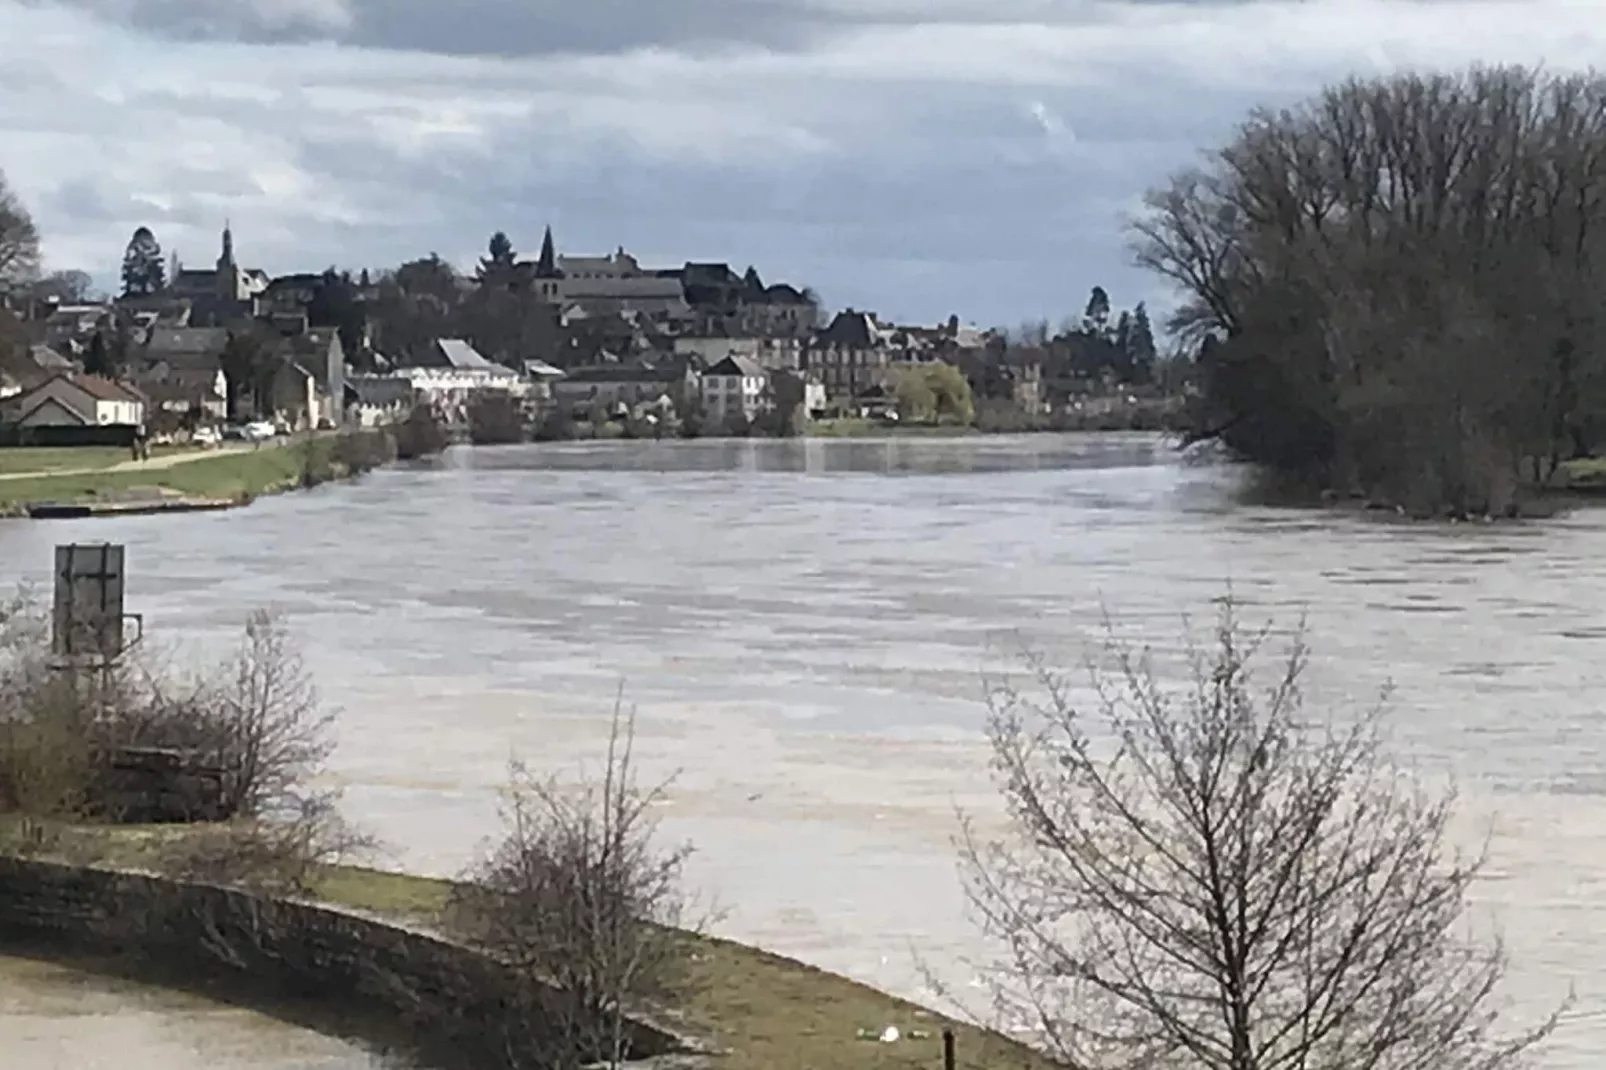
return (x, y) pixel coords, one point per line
(849, 427)
(765, 1011)
(50, 460)
(233, 474)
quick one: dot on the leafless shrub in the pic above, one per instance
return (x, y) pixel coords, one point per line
(282, 854)
(276, 734)
(1206, 877)
(578, 897)
(256, 722)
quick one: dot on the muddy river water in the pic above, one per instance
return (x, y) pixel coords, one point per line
(803, 627)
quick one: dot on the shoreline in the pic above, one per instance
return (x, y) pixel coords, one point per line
(210, 480)
(752, 1009)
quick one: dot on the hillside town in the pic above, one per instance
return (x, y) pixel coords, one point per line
(562, 342)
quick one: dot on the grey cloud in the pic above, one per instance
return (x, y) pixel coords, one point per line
(516, 28)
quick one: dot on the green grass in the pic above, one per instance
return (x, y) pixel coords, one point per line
(1586, 472)
(15, 460)
(769, 1011)
(766, 1011)
(53, 459)
(853, 427)
(236, 474)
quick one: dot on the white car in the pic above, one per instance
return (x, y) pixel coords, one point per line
(259, 431)
(206, 436)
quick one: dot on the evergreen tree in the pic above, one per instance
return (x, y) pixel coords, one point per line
(1123, 332)
(1096, 320)
(144, 272)
(499, 264)
(98, 358)
(1140, 345)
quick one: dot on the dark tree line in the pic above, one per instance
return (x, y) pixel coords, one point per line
(19, 239)
(1393, 287)
(1101, 346)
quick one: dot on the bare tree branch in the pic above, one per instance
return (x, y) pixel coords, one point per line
(1206, 877)
(19, 238)
(579, 897)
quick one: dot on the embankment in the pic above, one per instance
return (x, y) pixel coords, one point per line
(237, 475)
(392, 987)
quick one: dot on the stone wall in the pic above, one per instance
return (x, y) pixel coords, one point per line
(390, 986)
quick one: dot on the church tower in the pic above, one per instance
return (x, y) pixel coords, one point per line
(547, 273)
(228, 272)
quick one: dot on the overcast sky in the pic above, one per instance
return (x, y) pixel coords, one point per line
(913, 157)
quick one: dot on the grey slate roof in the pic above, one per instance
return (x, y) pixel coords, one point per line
(459, 354)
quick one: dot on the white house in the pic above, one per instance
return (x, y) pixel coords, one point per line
(377, 400)
(76, 401)
(734, 385)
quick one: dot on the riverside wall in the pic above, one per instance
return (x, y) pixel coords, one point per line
(391, 987)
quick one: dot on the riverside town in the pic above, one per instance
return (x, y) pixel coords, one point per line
(576, 660)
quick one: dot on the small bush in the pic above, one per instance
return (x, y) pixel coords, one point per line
(245, 740)
(578, 895)
(283, 855)
(422, 434)
(495, 419)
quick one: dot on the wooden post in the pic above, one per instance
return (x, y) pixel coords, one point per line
(947, 1049)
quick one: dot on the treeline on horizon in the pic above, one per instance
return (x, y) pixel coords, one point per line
(1389, 290)
(1393, 289)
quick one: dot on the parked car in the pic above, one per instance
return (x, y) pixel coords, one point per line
(206, 436)
(259, 431)
(233, 433)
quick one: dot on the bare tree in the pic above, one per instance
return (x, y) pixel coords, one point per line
(69, 287)
(1206, 877)
(274, 730)
(1401, 273)
(580, 898)
(19, 238)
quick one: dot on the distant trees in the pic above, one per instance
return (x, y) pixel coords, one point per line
(417, 303)
(97, 358)
(144, 271)
(249, 362)
(335, 303)
(1093, 349)
(497, 266)
(1393, 287)
(1096, 319)
(70, 287)
(937, 392)
(422, 434)
(495, 419)
(19, 238)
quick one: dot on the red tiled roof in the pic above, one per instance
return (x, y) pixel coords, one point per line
(104, 389)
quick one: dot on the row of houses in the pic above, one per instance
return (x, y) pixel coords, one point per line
(623, 335)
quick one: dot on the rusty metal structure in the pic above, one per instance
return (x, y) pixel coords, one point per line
(91, 632)
(90, 627)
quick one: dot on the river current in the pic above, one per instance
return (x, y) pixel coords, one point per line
(803, 628)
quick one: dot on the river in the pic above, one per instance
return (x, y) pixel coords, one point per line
(803, 627)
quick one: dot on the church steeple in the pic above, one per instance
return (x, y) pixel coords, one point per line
(546, 265)
(228, 272)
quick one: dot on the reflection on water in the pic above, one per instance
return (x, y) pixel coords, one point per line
(803, 624)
